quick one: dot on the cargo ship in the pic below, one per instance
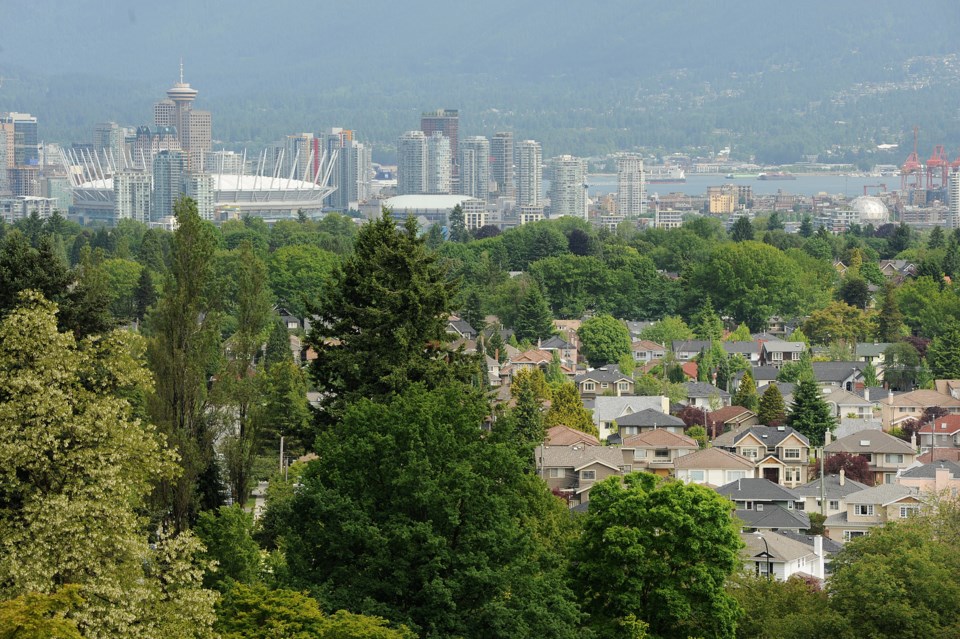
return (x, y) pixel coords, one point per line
(779, 175)
(664, 174)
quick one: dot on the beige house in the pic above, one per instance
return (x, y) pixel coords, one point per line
(779, 453)
(769, 554)
(835, 490)
(941, 479)
(644, 351)
(573, 470)
(885, 453)
(895, 409)
(871, 508)
(712, 466)
(566, 436)
(843, 403)
(655, 451)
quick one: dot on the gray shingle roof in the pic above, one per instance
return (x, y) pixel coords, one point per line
(829, 546)
(741, 347)
(772, 435)
(832, 488)
(607, 409)
(690, 345)
(780, 346)
(555, 343)
(773, 516)
(867, 349)
(869, 441)
(780, 546)
(649, 417)
(703, 389)
(757, 489)
(882, 494)
(605, 374)
(929, 471)
(835, 371)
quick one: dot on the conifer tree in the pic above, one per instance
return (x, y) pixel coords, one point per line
(889, 319)
(706, 323)
(809, 414)
(534, 320)
(746, 394)
(772, 410)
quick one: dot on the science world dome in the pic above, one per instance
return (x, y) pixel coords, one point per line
(871, 210)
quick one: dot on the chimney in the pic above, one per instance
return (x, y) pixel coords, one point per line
(827, 438)
(890, 395)
(942, 479)
(818, 551)
(843, 477)
(866, 393)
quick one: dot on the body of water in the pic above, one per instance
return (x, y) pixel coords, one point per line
(696, 184)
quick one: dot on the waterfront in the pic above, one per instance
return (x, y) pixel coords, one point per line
(805, 184)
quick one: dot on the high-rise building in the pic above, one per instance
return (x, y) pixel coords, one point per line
(6, 155)
(474, 213)
(225, 162)
(109, 141)
(412, 163)
(199, 186)
(529, 173)
(25, 149)
(194, 128)
(631, 186)
(568, 190)
(501, 167)
(169, 169)
(475, 167)
(439, 165)
(953, 193)
(132, 191)
(300, 154)
(352, 169)
(150, 141)
(447, 122)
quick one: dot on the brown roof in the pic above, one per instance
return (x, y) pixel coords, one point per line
(566, 436)
(660, 438)
(921, 397)
(940, 454)
(646, 345)
(869, 441)
(946, 425)
(712, 458)
(727, 413)
(533, 355)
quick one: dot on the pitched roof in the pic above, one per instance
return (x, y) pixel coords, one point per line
(778, 547)
(576, 457)
(946, 425)
(607, 409)
(566, 436)
(929, 471)
(781, 346)
(650, 417)
(868, 349)
(883, 494)
(461, 326)
(842, 397)
(938, 454)
(774, 516)
(770, 435)
(920, 397)
(729, 413)
(646, 345)
(741, 347)
(757, 489)
(555, 343)
(703, 389)
(603, 374)
(829, 546)
(869, 441)
(690, 345)
(835, 371)
(713, 458)
(831, 487)
(659, 438)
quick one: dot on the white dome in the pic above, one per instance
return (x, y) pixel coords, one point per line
(871, 209)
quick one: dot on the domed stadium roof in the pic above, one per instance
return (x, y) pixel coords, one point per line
(871, 209)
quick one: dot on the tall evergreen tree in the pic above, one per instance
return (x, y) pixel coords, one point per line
(473, 311)
(742, 230)
(534, 320)
(936, 239)
(145, 295)
(458, 227)
(809, 414)
(943, 354)
(889, 319)
(278, 344)
(772, 410)
(383, 325)
(806, 227)
(746, 394)
(870, 375)
(183, 346)
(706, 323)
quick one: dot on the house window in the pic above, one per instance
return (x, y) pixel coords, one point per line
(557, 473)
(762, 568)
(889, 478)
(627, 468)
(749, 453)
(907, 511)
(894, 459)
(590, 475)
(864, 510)
(833, 504)
(698, 475)
(604, 384)
(734, 475)
(624, 386)
(639, 453)
(759, 507)
(801, 505)
(791, 453)
(589, 387)
(868, 457)
(629, 430)
(661, 455)
(851, 534)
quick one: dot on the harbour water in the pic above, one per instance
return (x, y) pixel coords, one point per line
(805, 184)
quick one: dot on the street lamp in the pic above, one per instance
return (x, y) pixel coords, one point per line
(766, 550)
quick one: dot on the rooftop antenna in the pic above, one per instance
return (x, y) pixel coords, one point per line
(181, 69)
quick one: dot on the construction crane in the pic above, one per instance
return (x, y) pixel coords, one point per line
(938, 168)
(911, 173)
(882, 188)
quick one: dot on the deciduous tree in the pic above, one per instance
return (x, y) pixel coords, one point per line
(603, 340)
(566, 409)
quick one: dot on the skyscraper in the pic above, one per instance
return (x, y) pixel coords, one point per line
(169, 169)
(447, 122)
(501, 167)
(439, 165)
(953, 193)
(475, 167)
(631, 187)
(529, 173)
(132, 191)
(199, 186)
(412, 163)
(568, 193)
(352, 170)
(25, 149)
(194, 128)
(109, 140)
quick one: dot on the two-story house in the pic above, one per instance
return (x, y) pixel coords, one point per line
(713, 466)
(761, 504)
(831, 376)
(644, 351)
(655, 450)
(573, 470)
(775, 555)
(566, 350)
(607, 410)
(870, 508)
(777, 352)
(895, 409)
(750, 350)
(872, 353)
(704, 395)
(780, 453)
(461, 329)
(566, 436)
(937, 480)
(834, 493)
(606, 380)
(885, 453)
(686, 350)
(943, 432)
(731, 418)
(843, 403)
(648, 419)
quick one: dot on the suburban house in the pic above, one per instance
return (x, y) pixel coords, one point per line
(461, 329)
(949, 387)
(776, 352)
(655, 450)
(644, 351)
(771, 554)
(940, 478)
(885, 453)
(872, 353)
(290, 321)
(686, 350)
(898, 270)
(493, 370)
(607, 410)
(606, 380)
(762, 376)
(636, 327)
(780, 453)
(943, 432)
(571, 471)
(870, 508)
(648, 419)
(712, 466)
(566, 350)
(843, 403)
(533, 358)
(731, 418)
(704, 395)
(940, 454)
(749, 350)
(895, 409)
(566, 436)
(831, 376)
(762, 504)
(835, 489)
